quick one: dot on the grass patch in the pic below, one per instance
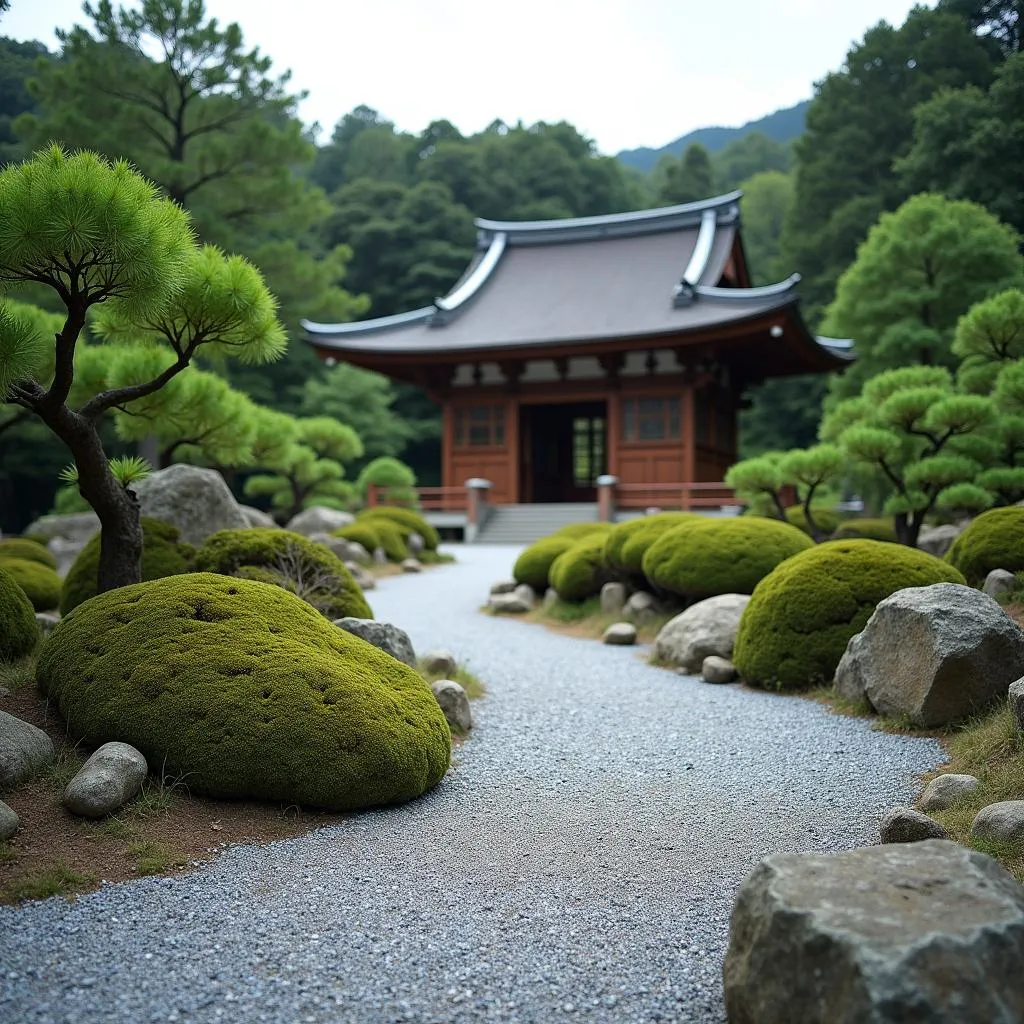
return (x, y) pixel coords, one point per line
(62, 769)
(841, 705)
(7, 853)
(18, 676)
(435, 558)
(153, 858)
(57, 880)
(466, 679)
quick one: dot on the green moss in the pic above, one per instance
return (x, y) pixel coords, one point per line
(392, 538)
(824, 518)
(627, 543)
(19, 631)
(28, 550)
(407, 518)
(360, 533)
(704, 557)
(801, 617)
(995, 540)
(533, 566)
(868, 529)
(244, 691)
(289, 560)
(577, 531)
(40, 583)
(162, 555)
(579, 572)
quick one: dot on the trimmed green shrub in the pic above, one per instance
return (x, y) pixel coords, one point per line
(994, 540)
(704, 557)
(360, 533)
(802, 616)
(391, 537)
(40, 583)
(577, 531)
(289, 560)
(408, 520)
(627, 543)
(579, 572)
(245, 692)
(162, 555)
(19, 631)
(388, 472)
(533, 566)
(29, 550)
(868, 529)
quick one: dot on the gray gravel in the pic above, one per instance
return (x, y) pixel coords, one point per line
(578, 863)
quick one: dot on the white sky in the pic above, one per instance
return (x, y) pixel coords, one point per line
(626, 72)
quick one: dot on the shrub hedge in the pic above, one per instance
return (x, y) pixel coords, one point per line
(245, 691)
(360, 533)
(579, 572)
(533, 566)
(19, 631)
(801, 616)
(29, 550)
(406, 518)
(40, 583)
(627, 542)
(994, 540)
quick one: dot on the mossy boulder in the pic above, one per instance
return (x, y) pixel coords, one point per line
(19, 631)
(163, 554)
(360, 533)
(994, 540)
(868, 529)
(577, 531)
(289, 560)
(245, 691)
(392, 537)
(27, 550)
(580, 572)
(40, 583)
(411, 521)
(533, 566)
(627, 542)
(703, 557)
(802, 616)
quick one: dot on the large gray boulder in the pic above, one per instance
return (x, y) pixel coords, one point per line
(850, 681)
(65, 535)
(937, 540)
(9, 822)
(194, 499)
(319, 519)
(107, 781)
(256, 517)
(881, 935)
(454, 702)
(1003, 821)
(705, 628)
(24, 749)
(388, 638)
(938, 654)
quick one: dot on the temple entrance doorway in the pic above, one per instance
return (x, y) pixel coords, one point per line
(563, 451)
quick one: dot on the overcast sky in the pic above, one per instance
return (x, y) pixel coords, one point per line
(625, 72)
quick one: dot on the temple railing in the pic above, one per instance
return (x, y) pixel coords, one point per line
(471, 499)
(682, 496)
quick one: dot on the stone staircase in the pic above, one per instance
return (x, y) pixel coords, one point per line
(523, 524)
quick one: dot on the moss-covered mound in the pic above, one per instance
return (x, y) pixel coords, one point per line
(28, 550)
(580, 572)
(360, 533)
(868, 529)
(392, 538)
(577, 531)
(412, 521)
(825, 519)
(995, 540)
(704, 557)
(801, 617)
(245, 691)
(533, 566)
(162, 555)
(40, 583)
(290, 560)
(627, 543)
(19, 631)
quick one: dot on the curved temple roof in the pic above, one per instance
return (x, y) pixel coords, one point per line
(633, 275)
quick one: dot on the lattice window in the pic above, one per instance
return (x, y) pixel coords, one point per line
(650, 419)
(480, 426)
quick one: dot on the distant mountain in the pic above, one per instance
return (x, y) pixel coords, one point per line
(782, 126)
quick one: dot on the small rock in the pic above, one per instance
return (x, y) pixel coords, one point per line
(907, 932)
(415, 543)
(503, 587)
(452, 699)
(550, 599)
(622, 634)
(319, 519)
(9, 822)
(905, 825)
(380, 556)
(508, 604)
(358, 554)
(361, 576)
(388, 638)
(641, 607)
(1004, 821)
(937, 540)
(705, 628)
(1000, 583)
(613, 598)
(944, 791)
(525, 594)
(47, 620)
(440, 663)
(256, 517)
(107, 781)
(1016, 696)
(718, 670)
(24, 749)
(411, 565)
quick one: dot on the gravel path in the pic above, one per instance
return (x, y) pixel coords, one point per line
(577, 864)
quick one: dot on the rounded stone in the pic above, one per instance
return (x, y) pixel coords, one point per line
(715, 669)
(944, 791)
(905, 825)
(440, 663)
(1003, 821)
(454, 702)
(107, 781)
(622, 634)
(9, 822)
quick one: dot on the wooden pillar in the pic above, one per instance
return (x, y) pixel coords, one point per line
(512, 448)
(613, 427)
(688, 427)
(448, 445)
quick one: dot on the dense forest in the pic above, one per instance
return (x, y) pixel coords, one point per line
(373, 220)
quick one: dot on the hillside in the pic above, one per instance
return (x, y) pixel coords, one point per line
(781, 126)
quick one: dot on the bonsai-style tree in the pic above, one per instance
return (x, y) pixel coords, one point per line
(988, 337)
(100, 236)
(308, 471)
(393, 475)
(912, 427)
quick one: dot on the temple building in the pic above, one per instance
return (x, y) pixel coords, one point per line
(618, 345)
